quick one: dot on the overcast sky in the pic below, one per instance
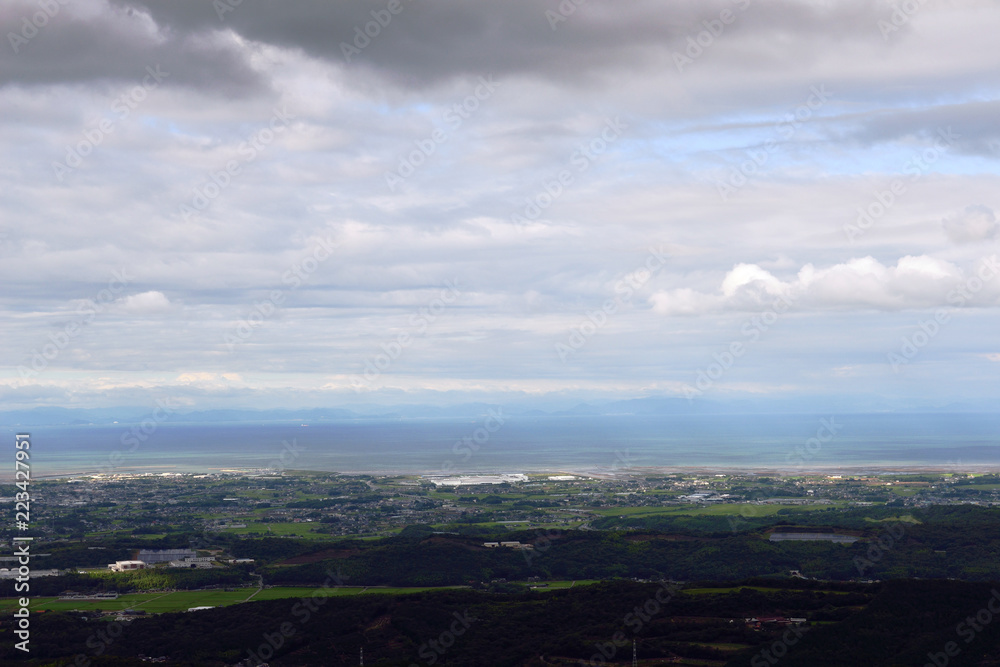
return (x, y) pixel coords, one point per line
(310, 203)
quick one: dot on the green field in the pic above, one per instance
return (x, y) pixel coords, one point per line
(158, 603)
(907, 518)
(719, 509)
(559, 585)
(303, 529)
(762, 589)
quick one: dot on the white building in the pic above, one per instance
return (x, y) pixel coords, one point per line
(508, 545)
(473, 480)
(164, 555)
(126, 565)
(191, 563)
(14, 573)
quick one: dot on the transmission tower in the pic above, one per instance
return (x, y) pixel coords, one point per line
(635, 661)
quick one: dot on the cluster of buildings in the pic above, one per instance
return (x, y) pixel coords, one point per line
(757, 623)
(172, 557)
(508, 545)
(475, 480)
(126, 565)
(812, 537)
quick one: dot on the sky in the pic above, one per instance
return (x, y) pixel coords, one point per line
(283, 204)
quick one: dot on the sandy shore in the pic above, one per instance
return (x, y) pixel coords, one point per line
(599, 473)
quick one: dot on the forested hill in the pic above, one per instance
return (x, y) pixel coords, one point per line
(889, 624)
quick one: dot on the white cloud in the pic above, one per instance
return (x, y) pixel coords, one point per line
(975, 223)
(523, 289)
(683, 301)
(914, 282)
(145, 303)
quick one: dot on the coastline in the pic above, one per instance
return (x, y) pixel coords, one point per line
(876, 469)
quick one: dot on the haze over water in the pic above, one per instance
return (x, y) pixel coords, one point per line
(594, 443)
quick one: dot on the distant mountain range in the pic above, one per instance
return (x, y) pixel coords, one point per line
(57, 416)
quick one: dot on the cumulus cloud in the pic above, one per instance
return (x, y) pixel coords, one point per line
(975, 223)
(145, 303)
(913, 282)
(71, 91)
(208, 379)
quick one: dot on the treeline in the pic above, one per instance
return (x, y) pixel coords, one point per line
(323, 503)
(887, 550)
(64, 554)
(861, 518)
(133, 581)
(897, 623)
(908, 623)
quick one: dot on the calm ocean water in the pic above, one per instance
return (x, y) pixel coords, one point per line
(527, 443)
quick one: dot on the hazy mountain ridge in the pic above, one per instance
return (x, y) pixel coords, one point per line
(650, 406)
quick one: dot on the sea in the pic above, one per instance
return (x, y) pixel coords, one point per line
(608, 444)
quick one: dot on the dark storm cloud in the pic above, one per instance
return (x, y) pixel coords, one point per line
(426, 43)
(66, 45)
(745, 110)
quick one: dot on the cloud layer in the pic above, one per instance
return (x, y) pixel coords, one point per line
(315, 203)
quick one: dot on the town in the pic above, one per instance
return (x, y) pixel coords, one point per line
(126, 547)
